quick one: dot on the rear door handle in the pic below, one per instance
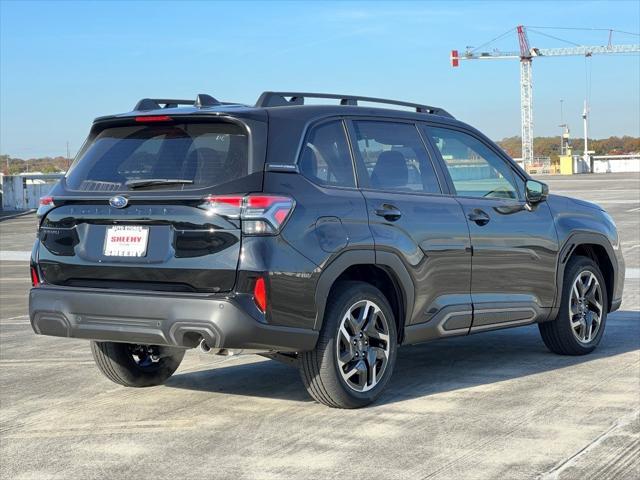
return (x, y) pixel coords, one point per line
(388, 212)
(479, 216)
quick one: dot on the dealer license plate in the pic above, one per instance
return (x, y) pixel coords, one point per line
(126, 241)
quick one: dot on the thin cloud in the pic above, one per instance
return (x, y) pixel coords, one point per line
(412, 14)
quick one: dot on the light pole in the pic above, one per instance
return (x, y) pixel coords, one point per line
(585, 155)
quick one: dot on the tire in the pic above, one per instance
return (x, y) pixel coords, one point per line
(132, 365)
(323, 373)
(559, 335)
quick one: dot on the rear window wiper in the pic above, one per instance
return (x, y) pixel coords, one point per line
(149, 182)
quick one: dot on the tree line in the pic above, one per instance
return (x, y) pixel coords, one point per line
(550, 146)
(15, 166)
(542, 146)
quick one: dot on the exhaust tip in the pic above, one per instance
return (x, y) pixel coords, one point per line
(204, 346)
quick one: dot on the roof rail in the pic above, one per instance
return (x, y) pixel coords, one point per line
(202, 100)
(279, 99)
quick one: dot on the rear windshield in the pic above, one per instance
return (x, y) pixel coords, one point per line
(168, 157)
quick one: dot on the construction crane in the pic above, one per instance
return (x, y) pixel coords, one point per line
(526, 56)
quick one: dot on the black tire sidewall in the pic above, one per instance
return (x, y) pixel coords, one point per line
(578, 265)
(115, 361)
(351, 293)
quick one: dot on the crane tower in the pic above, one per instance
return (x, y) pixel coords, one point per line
(526, 56)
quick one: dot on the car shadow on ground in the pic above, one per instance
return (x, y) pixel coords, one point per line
(427, 369)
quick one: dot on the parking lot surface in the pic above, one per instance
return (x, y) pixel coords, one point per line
(495, 405)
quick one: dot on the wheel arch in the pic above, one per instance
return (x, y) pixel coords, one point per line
(596, 247)
(383, 270)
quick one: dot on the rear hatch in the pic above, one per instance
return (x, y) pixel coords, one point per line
(130, 215)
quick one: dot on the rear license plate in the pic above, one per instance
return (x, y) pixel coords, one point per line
(126, 241)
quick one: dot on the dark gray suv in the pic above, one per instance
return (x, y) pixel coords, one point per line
(321, 235)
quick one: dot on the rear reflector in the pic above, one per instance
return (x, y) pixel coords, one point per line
(259, 214)
(153, 118)
(35, 279)
(260, 294)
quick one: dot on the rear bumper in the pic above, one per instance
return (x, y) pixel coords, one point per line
(153, 319)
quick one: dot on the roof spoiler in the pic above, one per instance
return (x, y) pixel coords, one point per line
(202, 101)
(281, 99)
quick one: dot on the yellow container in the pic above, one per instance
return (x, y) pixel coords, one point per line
(566, 165)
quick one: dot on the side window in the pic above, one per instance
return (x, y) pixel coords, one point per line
(475, 169)
(325, 156)
(395, 157)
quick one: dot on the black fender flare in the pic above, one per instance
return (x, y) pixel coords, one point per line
(571, 243)
(388, 261)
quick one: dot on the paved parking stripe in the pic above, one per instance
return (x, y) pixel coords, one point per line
(632, 273)
(15, 255)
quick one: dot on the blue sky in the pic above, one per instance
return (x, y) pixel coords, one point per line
(64, 63)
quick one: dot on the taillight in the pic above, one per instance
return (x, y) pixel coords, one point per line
(260, 294)
(44, 205)
(228, 206)
(35, 278)
(259, 214)
(265, 214)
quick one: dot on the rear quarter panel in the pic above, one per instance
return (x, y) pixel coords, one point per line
(325, 223)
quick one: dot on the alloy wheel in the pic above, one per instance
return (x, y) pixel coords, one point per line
(362, 346)
(586, 307)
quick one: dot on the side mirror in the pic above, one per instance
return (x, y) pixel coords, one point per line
(536, 191)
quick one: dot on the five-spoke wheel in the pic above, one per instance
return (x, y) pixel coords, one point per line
(362, 345)
(579, 325)
(356, 349)
(586, 306)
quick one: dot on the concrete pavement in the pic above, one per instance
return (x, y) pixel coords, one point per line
(492, 405)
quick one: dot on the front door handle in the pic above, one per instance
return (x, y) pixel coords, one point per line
(388, 212)
(479, 216)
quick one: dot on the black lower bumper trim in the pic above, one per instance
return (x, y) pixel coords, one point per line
(615, 304)
(158, 320)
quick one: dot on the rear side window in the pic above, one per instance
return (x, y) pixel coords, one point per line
(180, 156)
(325, 156)
(394, 157)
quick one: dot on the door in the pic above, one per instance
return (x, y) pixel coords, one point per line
(514, 245)
(413, 220)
